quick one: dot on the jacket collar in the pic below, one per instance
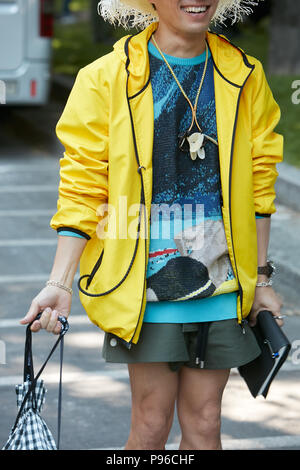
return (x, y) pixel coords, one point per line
(230, 62)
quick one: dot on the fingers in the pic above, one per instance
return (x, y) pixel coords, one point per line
(48, 320)
(277, 316)
(36, 326)
(45, 318)
(279, 319)
(57, 328)
(252, 318)
(52, 321)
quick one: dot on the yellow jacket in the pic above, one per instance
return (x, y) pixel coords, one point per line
(107, 131)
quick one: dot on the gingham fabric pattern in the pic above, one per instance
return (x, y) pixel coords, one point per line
(31, 433)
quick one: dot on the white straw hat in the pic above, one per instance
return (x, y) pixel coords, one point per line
(140, 13)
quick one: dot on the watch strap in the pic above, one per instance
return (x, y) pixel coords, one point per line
(268, 269)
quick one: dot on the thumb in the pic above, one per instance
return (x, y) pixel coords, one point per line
(31, 314)
(252, 318)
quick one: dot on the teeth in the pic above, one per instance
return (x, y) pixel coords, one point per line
(195, 9)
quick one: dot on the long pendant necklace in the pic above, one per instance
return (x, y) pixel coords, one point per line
(192, 141)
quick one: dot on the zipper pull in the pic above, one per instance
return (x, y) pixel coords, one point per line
(273, 354)
(243, 326)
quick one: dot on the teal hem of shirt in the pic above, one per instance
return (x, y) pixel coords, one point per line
(68, 233)
(215, 308)
(178, 60)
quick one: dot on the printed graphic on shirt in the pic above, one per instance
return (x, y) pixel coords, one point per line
(188, 255)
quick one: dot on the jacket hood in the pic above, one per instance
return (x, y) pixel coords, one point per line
(230, 61)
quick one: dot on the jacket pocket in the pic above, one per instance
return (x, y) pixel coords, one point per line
(95, 269)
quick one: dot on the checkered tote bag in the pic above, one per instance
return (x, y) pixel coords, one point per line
(30, 432)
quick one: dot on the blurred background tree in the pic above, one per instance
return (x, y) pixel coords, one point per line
(284, 57)
(101, 30)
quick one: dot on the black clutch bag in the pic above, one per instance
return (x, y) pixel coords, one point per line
(275, 347)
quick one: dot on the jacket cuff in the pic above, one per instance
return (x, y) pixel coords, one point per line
(74, 230)
(261, 216)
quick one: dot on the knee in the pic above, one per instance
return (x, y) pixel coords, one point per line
(151, 427)
(204, 422)
(209, 422)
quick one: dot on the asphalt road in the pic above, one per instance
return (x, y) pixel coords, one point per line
(96, 396)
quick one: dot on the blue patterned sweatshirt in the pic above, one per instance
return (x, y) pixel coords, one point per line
(188, 256)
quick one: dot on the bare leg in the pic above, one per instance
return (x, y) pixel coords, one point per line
(199, 407)
(154, 391)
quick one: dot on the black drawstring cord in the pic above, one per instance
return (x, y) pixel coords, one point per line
(202, 337)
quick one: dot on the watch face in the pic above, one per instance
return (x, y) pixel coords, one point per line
(271, 267)
(270, 270)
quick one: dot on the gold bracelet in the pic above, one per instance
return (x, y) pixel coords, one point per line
(58, 284)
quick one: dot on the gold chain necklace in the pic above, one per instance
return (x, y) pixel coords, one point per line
(193, 142)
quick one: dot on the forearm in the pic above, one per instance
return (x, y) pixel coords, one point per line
(68, 253)
(265, 297)
(263, 226)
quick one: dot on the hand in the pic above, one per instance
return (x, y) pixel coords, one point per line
(265, 299)
(52, 301)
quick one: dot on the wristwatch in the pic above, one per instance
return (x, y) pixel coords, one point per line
(268, 269)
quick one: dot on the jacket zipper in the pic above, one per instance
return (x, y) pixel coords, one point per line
(241, 320)
(142, 182)
(247, 63)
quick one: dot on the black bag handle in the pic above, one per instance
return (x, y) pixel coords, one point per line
(29, 371)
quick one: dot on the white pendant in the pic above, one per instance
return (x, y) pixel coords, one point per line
(195, 141)
(201, 153)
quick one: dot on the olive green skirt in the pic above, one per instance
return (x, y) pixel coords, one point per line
(176, 343)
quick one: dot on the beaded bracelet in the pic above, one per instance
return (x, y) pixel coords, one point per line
(58, 284)
(264, 284)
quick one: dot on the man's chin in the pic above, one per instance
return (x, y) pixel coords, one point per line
(194, 29)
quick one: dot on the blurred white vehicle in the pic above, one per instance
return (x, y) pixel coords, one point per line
(26, 29)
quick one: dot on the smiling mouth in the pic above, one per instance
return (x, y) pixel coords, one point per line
(195, 10)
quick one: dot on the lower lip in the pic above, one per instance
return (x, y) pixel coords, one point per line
(196, 15)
